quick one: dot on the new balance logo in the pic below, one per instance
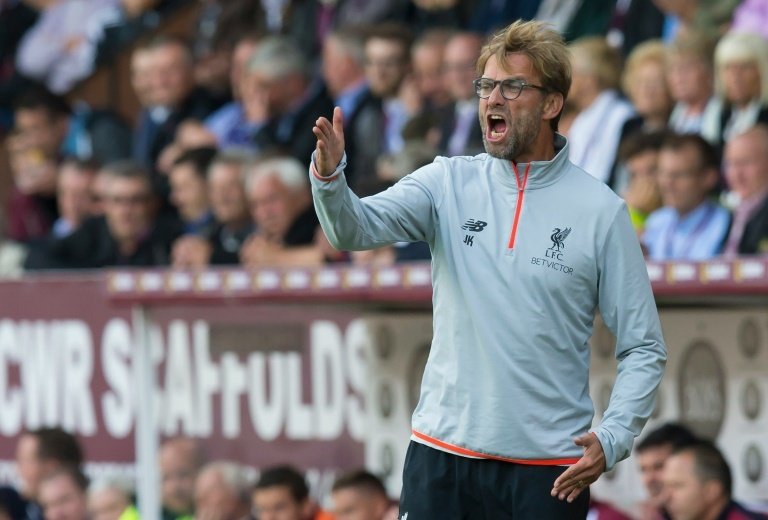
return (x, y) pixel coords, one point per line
(474, 225)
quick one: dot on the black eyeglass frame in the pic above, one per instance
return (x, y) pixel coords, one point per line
(504, 84)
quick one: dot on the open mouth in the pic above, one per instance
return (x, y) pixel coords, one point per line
(496, 127)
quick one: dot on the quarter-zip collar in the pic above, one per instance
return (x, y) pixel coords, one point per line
(540, 173)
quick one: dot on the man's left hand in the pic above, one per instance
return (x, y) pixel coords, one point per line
(578, 477)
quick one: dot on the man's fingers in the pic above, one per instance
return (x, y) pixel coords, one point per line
(575, 493)
(338, 120)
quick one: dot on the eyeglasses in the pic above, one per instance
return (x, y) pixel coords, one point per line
(510, 88)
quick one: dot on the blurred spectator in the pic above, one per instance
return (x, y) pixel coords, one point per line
(698, 484)
(461, 134)
(746, 171)
(594, 134)
(427, 56)
(645, 83)
(689, 226)
(60, 49)
(651, 454)
(287, 101)
(74, 194)
(387, 63)
(230, 209)
(222, 492)
(741, 79)
(128, 234)
(161, 75)
(690, 75)
(282, 494)
(359, 495)
(62, 494)
(189, 190)
(231, 124)
(180, 460)
(190, 134)
(46, 122)
(38, 454)
(639, 156)
(343, 71)
(111, 499)
(283, 215)
(751, 16)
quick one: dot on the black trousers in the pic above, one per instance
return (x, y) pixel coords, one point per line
(442, 486)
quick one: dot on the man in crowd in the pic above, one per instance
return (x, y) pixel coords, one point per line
(129, 234)
(460, 130)
(651, 454)
(179, 462)
(111, 499)
(63, 494)
(162, 78)
(359, 495)
(226, 194)
(746, 171)
(284, 219)
(189, 190)
(282, 494)
(698, 486)
(427, 58)
(39, 453)
(222, 492)
(689, 226)
(287, 101)
(479, 398)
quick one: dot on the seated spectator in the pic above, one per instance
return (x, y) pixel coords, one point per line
(62, 494)
(359, 495)
(222, 492)
(189, 190)
(38, 454)
(282, 494)
(343, 71)
(283, 215)
(47, 122)
(59, 49)
(741, 64)
(594, 134)
(639, 156)
(235, 124)
(230, 209)
(651, 454)
(645, 82)
(110, 499)
(461, 134)
(698, 484)
(288, 102)
(689, 226)
(746, 171)
(74, 195)
(690, 75)
(128, 234)
(161, 75)
(427, 57)
(179, 461)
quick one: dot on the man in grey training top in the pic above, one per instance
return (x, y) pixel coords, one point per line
(525, 247)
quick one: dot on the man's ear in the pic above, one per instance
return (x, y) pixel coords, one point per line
(553, 105)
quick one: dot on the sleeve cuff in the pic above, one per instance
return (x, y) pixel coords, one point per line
(335, 175)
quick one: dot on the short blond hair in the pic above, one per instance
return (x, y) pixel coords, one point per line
(651, 51)
(542, 45)
(742, 47)
(598, 59)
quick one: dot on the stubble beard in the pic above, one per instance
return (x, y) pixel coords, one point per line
(520, 137)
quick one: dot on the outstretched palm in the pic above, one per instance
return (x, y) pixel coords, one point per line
(330, 143)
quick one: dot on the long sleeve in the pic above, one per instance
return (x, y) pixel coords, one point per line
(406, 212)
(629, 310)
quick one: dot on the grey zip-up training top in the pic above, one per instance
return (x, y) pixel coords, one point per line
(522, 256)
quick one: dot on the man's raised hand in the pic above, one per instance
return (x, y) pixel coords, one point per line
(330, 143)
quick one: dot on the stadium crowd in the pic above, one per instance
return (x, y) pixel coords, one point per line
(668, 106)
(668, 110)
